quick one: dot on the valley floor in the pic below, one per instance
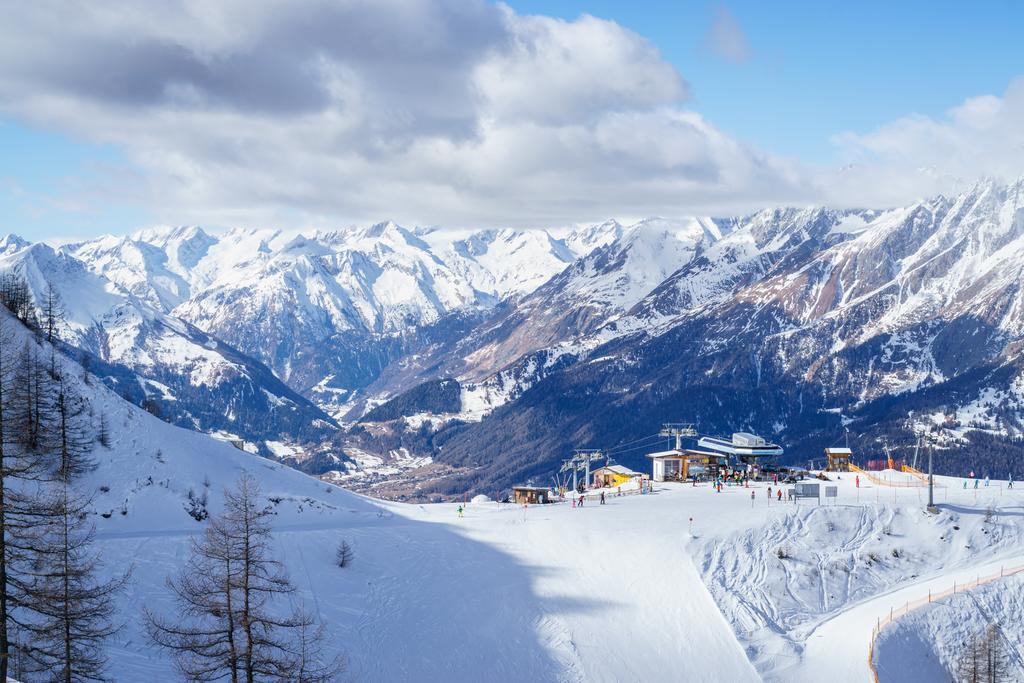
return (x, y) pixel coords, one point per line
(615, 592)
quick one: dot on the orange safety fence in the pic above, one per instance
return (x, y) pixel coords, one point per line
(916, 472)
(911, 605)
(920, 480)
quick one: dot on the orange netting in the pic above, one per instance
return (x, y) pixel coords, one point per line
(911, 605)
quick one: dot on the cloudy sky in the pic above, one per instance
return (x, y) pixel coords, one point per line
(462, 113)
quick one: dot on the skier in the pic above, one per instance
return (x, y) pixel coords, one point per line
(986, 481)
(602, 497)
(752, 492)
(1010, 483)
(976, 483)
(581, 501)
(965, 483)
(779, 497)
(459, 510)
(857, 479)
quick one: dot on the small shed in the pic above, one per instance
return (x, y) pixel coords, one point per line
(838, 459)
(531, 495)
(613, 475)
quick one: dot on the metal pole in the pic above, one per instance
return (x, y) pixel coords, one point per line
(931, 480)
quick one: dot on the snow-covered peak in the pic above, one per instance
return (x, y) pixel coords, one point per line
(11, 243)
(584, 239)
(622, 272)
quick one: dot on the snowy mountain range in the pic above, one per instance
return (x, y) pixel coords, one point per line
(796, 323)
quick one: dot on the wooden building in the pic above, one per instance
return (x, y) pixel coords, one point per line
(681, 464)
(838, 459)
(531, 495)
(613, 475)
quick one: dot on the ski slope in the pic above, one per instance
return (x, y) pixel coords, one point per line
(554, 593)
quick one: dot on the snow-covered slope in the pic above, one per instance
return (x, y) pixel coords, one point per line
(931, 643)
(610, 592)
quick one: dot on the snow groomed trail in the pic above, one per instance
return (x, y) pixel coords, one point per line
(615, 592)
(620, 595)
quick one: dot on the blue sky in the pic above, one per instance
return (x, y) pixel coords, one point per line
(820, 68)
(795, 75)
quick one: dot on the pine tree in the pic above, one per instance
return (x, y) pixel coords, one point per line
(16, 297)
(33, 401)
(53, 314)
(72, 609)
(103, 431)
(997, 664)
(306, 664)
(24, 516)
(74, 442)
(984, 659)
(228, 626)
(970, 666)
(75, 610)
(344, 554)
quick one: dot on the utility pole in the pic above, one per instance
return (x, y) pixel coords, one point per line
(931, 478)
(917, 447)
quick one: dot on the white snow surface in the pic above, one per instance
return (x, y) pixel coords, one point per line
(618, 592)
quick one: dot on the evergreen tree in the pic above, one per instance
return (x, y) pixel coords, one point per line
(74, 609)
(24, 514)
(74, 443)
(53, 314)
(229, 626)
(16, 297)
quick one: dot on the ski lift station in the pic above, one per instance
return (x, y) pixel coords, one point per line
(683, 463)
(714, 453)
(744, 447)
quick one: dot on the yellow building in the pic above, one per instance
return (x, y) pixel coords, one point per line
(613, 475)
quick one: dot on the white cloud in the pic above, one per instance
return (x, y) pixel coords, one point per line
(451, 112)
(917, 155)
(457, 113)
